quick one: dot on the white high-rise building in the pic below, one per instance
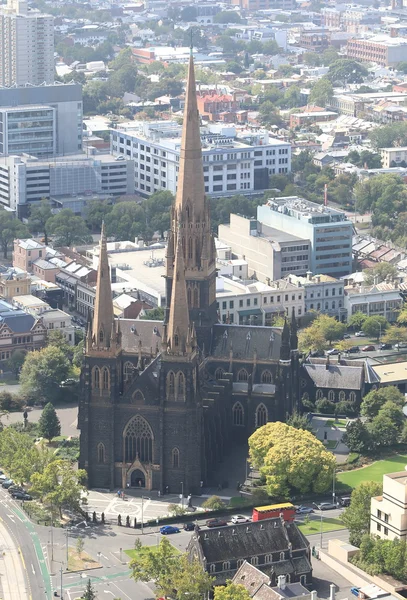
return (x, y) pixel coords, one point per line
(26, 45)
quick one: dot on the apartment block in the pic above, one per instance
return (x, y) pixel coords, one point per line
(43, 120)
(328, 229)
(232, 164)
(26, 45)
(383, 299)
(322, 293)
(388, 512)
(383, 50)
(270, 253)
(394, 157)
(24, 180)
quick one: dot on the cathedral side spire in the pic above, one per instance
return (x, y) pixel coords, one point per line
(103, 319)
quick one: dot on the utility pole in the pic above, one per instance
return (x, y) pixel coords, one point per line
(61, 581)
(321, 530)
(182, 494)
(67, 555)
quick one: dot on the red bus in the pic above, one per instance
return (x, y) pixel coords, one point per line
(286, 509)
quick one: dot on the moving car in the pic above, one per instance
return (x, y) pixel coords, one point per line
(368, 348)
(21, 496)
(216, 523)
(385, 347)
(167, 529)
(304, 510)
(239, 519)
(326, 506)
(360, 334)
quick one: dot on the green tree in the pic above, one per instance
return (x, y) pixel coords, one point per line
(214, 503)
(157, 211)
(356, 320)
(321, 92)
(325, 406)
(394, 413)
(227, 16)
(389, 136)
(89, 593)
(310, 340)
(16, 361)
(80, 545)
(49, 425)
(39, 215)
(299, 421)
(56, 338)
(383, 431)
(322, 331)
(357, 437)
(231, 591)
(344, 71)
(374, 327)
(42, 372)
(357, 516)
(290, 459)
(379, 273)
(157, 565)
(95, 213)
(60, 486)
(68, 229)
(10, 229)
(155, 314)
(365, 159)
(188, 13)
(126, 221)
(190, 580)
(374, 400)
(395, 335)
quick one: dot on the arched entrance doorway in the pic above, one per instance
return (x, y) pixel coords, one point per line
(138, 479)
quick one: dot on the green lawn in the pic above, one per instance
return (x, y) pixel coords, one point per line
(338, 423)
(137, 553)
(314, 526)
(373, 472)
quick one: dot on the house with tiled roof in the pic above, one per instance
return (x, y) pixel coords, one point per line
(260, 587)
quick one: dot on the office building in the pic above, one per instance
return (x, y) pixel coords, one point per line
(231, 164)
(383, 299)
(322, 293)
(24, 180)
(381, 49)
(270, 253)
(394, 157)
(26, 45)
(328, 229)
(388, 512)
(43, 120)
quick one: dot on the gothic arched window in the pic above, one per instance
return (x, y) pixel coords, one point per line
(242, 375)
(342, 396)
(138, 397)
(190, 248)
(96, 377)
(180, 386)
(331, 396)
(138, 440)
(261, 415)
(189, 295)
(101, 453)
(196, 297)
(255, 560)
(128, 370)
(219, 373)
(238, 414)
(101, 336)
(266, 377)
(106, 378)
(170, 386)
(352, 396)
(320, 394)
(175, 458)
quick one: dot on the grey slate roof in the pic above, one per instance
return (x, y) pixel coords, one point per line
(245, 341)
(19, 323)
(335, 376)
(149, 332)
(250, 539)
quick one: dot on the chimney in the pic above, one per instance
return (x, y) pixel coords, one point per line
(332, 591)
(309, 275)
(281, 582)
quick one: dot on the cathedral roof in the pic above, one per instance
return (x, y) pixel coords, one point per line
(336, 376)
(149, 333)
(246, 340)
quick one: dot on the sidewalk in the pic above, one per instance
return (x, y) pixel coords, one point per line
(13, 580)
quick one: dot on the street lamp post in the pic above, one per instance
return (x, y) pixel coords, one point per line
(61, 582)
(182, 494)
(333, 486)
(321, 530)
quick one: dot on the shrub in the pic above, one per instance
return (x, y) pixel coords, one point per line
(260, 497)
(214, 503)
(325, 406)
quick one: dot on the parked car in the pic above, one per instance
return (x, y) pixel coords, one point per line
(3, 478)
(304, 510)
(368, 348)
(216, 523)
(239, 519)
(21, 496)
(344, 501)
(167, 529)
(360, 334)
(190, 526)
(326, 506)
(354, 350)
(385, 347)
(317, 354)
(15, 488)
(355, 591)
(7, 483)
(332, 352)
(346, 336)
(400, 345)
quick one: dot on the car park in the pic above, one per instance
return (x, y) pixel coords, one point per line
(304, 510)
(167, 529)
(216, 523)
(368, 348)
(326, 506)
(21, 496)
(239, 519)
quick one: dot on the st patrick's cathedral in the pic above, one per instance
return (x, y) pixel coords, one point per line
(162, 403)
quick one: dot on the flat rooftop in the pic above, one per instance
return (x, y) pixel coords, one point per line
(391, 373)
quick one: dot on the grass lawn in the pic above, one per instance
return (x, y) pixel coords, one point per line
(338, 423)
(137, 553)
(238, 501)
(373, 472)
(314, 526)
(82, 562)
